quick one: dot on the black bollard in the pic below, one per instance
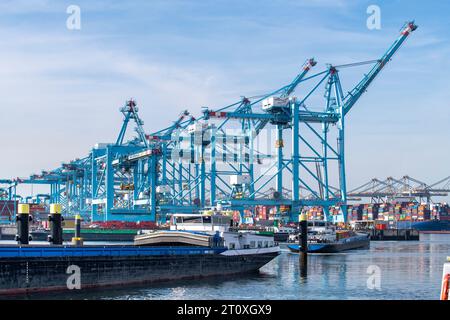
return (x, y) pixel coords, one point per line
(22, 221)
(55, 218)
(77, 240)
(303, 242)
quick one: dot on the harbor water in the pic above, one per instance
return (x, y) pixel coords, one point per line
(388, 270)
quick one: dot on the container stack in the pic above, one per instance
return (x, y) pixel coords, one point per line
(386, 212)
(335, 210)
(423, 211)
(272, 213)
(380, 212)
(397, 211)
(373, 211)
(355, 212)
(315, 213)
(248, 216)
(391, 215)
(444, 212)
(125, 225)
(414, 212)
(349, 213)
(383, 212)
(365, 213)
(435, 212)
(405, 214)
(370, 212)
(261, 212)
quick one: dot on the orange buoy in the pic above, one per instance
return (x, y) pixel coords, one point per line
(445, 287)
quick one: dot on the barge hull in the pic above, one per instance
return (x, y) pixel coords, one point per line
(25, 275)
(333, 247)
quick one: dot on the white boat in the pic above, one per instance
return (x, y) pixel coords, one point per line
(209, 231)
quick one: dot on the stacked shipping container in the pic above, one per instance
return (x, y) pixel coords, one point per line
(390, 212)
(315, 213)
(383, 212)
(441, 212)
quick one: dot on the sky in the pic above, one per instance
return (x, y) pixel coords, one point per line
(61, 89)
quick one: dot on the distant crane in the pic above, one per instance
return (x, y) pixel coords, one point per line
(392, 189)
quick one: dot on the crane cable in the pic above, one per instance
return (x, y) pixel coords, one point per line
(357, 63)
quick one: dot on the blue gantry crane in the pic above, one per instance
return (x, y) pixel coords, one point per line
(234, 158)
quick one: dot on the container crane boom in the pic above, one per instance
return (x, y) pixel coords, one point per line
(290, 88)
(353, 96)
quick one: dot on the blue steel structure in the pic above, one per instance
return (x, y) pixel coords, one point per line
(215, 161)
